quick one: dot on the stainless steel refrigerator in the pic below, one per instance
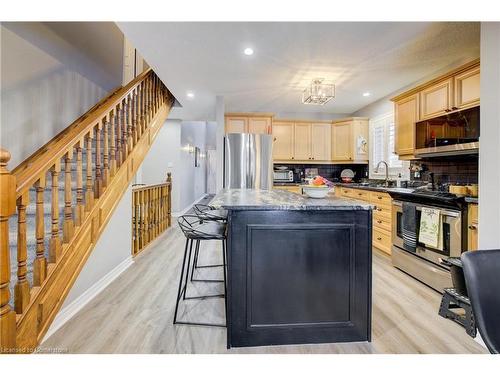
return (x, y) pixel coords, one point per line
(248, 161)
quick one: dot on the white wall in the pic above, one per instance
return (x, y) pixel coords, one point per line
(170, 153)
(46, 84)
(113, 247)
(489, 150)
(219, 119)
(165, 156)
(193, 178)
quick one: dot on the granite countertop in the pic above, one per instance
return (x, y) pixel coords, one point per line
(256, 199)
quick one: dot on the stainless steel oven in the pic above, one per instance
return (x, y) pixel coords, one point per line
(425, 263)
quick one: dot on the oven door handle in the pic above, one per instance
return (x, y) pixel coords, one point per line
(419, 208)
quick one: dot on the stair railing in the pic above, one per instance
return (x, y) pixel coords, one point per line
(151, 213)
(89, 153)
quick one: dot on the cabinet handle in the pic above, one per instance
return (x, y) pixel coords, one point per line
(379, 197)
(447, 110)
(472, 227)
(454, 108)
(379, 238)
(293, 158)
(378, 209)
(379, 221)
(360, 193)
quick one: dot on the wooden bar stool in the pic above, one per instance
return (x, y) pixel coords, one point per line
(196, 230)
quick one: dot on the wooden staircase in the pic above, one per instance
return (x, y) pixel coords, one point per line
(55, 205)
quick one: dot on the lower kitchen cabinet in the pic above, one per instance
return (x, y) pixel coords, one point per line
(472, 227)
(382, 214)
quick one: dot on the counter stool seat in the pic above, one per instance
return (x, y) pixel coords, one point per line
(206, 212)
(196, 230)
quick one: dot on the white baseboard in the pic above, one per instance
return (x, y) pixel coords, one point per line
(69, 311)
(184, 211)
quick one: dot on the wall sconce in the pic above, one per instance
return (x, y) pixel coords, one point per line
(189, 148)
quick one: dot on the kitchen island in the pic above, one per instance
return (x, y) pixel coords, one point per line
(299, 269)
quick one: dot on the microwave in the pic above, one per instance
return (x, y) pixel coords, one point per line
(456, 133)
(283, 176)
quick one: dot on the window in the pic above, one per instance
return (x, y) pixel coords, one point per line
(382, 139)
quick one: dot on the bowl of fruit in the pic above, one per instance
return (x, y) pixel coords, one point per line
(318, 187)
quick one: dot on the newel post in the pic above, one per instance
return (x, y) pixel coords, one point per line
(7, 209)
(169, 199)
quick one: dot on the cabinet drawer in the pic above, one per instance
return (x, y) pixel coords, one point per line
(382, 210)
(381, 239)
(380, 199)
(382, 222)
(347, 192)
(361, 194)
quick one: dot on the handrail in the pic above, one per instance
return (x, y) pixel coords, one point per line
(146, 187)
(29, 171)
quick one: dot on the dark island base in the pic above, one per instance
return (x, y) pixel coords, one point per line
(299, 277)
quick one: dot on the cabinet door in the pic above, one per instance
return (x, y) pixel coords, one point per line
(321, 142)
(302, 144)
(259, 125)
(342, 141)
(467, 88)
(473, 228)
(406, 114)
(436, 100)
(283, 141)
(236, 125)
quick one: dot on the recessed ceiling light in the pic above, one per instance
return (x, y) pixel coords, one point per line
(366, 94)
(190, 95)
(248, 51)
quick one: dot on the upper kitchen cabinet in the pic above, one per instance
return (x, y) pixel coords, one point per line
(321, 144)
(302, 144)
(350, 140)
(256, 123)
(283, 140)
(405, 117)
(436, 100)
(466, 86)
(453, 91)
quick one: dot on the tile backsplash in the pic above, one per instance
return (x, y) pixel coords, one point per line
(332, 171)
(452, 169)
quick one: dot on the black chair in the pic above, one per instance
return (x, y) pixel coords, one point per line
(206, 213)
(195, 231)
(482, 270)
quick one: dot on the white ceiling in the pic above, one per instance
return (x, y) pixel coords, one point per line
(207, 59)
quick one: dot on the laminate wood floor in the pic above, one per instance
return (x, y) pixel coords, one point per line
(134, 314)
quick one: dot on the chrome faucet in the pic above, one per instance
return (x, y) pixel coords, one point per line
(386, 171)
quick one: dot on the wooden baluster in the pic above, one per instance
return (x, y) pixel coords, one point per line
(124, 130)
(7, 209)
(148, 99)
(118, 153)
(112, 154)
(40, 263)
(130, 141)
(155, 212)
(133, 119)
(147, 214)
(143, 100)
(140, 113)
(89, 191)
(68, 224)
(22, 288)
(80, 207)
(105, 153)
(137, 113)
(169, 199)
(143, 219)
(98, 166)
(55, 239)
(135, 218)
